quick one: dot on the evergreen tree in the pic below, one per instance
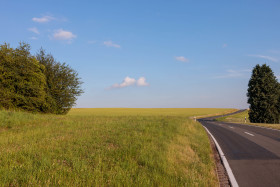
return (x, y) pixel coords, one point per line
(278, 105)
(263, 95)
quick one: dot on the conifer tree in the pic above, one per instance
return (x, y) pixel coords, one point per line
(263, 95)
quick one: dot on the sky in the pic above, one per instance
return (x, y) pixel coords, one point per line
(152, 53)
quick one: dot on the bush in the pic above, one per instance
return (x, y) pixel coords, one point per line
(37, 84)
(63, 84)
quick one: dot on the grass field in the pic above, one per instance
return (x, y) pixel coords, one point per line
(106, 147)
(240, 118)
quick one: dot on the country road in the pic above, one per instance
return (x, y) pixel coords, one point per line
(253, 153)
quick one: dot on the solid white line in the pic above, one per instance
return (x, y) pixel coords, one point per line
(232, 179)
(249, 133)
(231, 127)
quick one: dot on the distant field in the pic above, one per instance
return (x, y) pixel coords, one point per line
(106, 147)
(240, 118)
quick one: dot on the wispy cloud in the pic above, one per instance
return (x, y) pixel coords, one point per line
(43, 19)
(91, 42)
(181, 59)
(128, 81)
(61, 34)
(33, 38)
(265, 57)
(142, 82)
(111, 44)
(34, 30)
(234, 74)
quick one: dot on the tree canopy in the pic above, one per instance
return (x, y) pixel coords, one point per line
(63, 84)
(263, 96)
(37, 84)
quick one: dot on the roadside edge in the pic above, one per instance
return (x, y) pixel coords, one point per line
(232, 179)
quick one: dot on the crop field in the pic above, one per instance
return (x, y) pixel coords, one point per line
(106, 147)
(240, 118)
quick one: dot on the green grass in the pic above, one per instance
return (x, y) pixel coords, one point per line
(106, 147)
(236, 118)
(240, 118)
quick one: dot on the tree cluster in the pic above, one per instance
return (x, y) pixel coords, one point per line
(36, 83)
(264, 96)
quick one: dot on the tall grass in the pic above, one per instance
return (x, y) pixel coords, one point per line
(106, 147)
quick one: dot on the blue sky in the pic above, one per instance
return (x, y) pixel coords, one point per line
(152, 53)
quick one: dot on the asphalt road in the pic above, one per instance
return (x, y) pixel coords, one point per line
(253, 152)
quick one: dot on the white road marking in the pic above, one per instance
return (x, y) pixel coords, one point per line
(249, 133)
(232, 179)
(231, 127)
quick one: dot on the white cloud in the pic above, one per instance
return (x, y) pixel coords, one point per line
(181, 59)
(234, 74)
(61, 34)
(224, 45)
(43, 19)
(142, 82)
(33, 38)
(128, 81)
(111, 44)
(278, 77)
(265, 57)
(34, 30)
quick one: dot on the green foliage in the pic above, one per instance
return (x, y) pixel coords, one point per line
(22, 79)
(35, 85)
(263, 96)
(63, 84)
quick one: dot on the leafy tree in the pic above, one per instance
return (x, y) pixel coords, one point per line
(63, 83)
(37, 84)
(263, 96)
(22, 79)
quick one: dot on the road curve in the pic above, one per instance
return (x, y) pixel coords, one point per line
(253, 152)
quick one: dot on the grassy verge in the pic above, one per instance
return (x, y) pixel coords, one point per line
(216, 114)
(240, 118)
(106, 147)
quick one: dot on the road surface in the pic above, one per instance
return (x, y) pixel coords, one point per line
(253, 152)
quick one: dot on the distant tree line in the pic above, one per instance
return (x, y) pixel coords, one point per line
(264, 96)
(36, 83)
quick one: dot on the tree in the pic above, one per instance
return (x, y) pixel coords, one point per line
(37, 84)
(63, 83)
(263, 96)
(278, 105)
(22, 79)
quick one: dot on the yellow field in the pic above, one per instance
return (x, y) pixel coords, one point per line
(187, 112)
(106, 147)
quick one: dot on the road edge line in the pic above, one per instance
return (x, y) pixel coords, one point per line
(232, 179)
